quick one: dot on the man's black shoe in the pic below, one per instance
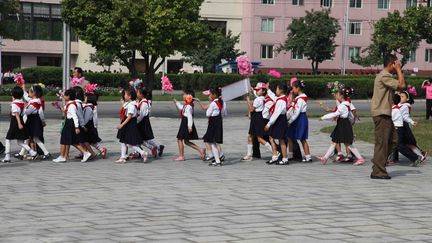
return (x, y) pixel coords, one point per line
(386, 177)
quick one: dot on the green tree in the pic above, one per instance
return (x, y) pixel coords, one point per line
(8, 7)
(217, 47)
(399, 34)
(313, 36)
(154, 29)
(104, 59)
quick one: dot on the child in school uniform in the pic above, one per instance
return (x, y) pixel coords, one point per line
(91, 134)
(33, 122)
(144, 125)
(406, 140)
(299, 125)
(187, 130)
(257, 121)
(16, 127)
(405, 108)
(128, 132)
(343, 132)
(277, 125)
(71, 130)
(214, 134)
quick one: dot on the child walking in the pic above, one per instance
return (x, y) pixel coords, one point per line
(128, 132)
(71, 130)
(214, 134)
(277, 125)
(257, 122)
(91, 134)
(299, 124)
(343, 132)
(16, 127)
(187, 130)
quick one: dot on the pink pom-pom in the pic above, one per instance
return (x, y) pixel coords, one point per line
(77, 81)
(244, 65)
(90, 88)
(412, 90)
(166, 84)
(19, 79)
(274, 73)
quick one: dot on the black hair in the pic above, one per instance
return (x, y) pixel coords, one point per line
(216, 92)
(189, 92)
(299, 84)
(396, 99)
(79, 70)
(132, 93)
(282, 86)
(346, 92)
(92, 99)
(264, 92)
(71, 93)
(389, 59)
(17, 92)
(38, 91)
(79, 93)
(410, 98)
(145, 92)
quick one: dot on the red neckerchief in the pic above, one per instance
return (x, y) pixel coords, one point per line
(396, 107)
(91, 106)
(219, 104)
(20, 105)
(305, 98)
(42, 101)
(141, 102)
(268, 99)
(284, 98)
(184, 107)
(122, 114)
(67, 107)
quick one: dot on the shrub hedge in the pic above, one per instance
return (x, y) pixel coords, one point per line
(316, 86)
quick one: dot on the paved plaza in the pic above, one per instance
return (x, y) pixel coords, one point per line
(166, 201)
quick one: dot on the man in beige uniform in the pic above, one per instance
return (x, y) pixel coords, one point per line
(384, 88)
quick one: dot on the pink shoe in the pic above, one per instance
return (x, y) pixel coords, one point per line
(340, 158)
(180, 158)
(360, 162)
(104, 153)
(322, 159)
(202, 153)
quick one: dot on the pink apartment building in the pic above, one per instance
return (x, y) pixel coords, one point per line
(265, 22)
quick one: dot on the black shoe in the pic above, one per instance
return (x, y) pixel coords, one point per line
(215, 164)
(386, 177)
(307, 160)
(270, 162)
(416, 162)
(209, 159)
(46, 156)
(161, 149)
(222, 158)
(36, 157)
(283, 162)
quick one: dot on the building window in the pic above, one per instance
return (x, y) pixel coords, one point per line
(429, 3)
(355, 3)
(355, 28)
(267, 25)
(428, 55)
(49, 61)
(266, 51)
(295, 55)
(267, 1)
(38, 21)
(297, 2)
(412, 56)
(354, 53)
(383, 4)
(9, 63)
(326, 3)
(411, 3)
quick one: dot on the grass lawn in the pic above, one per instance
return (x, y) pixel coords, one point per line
(365, 132)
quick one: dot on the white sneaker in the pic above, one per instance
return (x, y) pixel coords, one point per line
(247, 158)
(121, 161)
(59, 160)
(86, 156)
(145, 156)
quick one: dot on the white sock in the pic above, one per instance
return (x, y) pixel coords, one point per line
(147, 145)
(339, 153)
(330, 151)
(123, 151)
(138, 149)
(308, 157)
(7, 149)
(153, 143)
(209, 152)
(418, 152)
(355, 152)
(215, 152)
(249, 150)
(284, 159)
(268, 147)
(26, 147)
(275, 158)
(41, 145)
(290, 155)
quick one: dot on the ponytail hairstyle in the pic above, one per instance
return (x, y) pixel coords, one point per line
(216, 92)
(346, 92)
(38, 91)
(299, 84)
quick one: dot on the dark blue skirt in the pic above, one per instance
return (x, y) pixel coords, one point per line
(299, 129)
(145, 129)
(214, 133)
(68, 135)
(279, 128)
(91, 136)
(34, 126)
(257, 124)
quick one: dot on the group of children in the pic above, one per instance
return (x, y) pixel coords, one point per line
(278, 121)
